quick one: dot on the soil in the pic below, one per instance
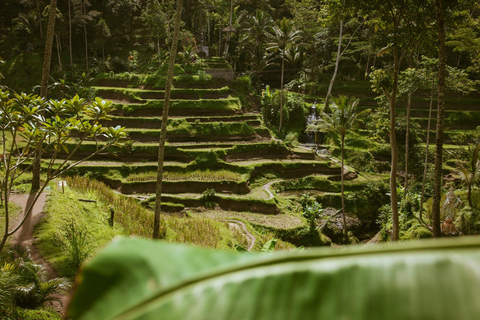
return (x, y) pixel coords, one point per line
(25, 236)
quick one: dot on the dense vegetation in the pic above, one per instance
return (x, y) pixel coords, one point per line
(285, 124)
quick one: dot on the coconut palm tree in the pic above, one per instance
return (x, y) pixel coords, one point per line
(163, 134)
(283, 36)
(254, 37)
(338, 122)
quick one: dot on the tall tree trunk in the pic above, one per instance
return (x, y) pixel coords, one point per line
(85, 34)
(58, 52)
(163, 134)
(337, 63)
(70, 32)
(366, 68)
(281, 94)
(407, 133)
(394, 148)
(425, 166)
(40, 18)
(345, 233)
(407, 142)
(437, 180)
(47, 59)
(469, 195)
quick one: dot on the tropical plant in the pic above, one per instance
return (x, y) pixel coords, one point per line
(339, 122)
(312, 211)
(283, 37)
(76, 243)
(163, 135)
(438, 173)
(253, 41)
(29, 123)
(181, 282)
(32, 289)
(470, 171)
(8, 282)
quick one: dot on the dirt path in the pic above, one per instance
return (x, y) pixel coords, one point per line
(267, 189)
(25, 236)
(250, 236)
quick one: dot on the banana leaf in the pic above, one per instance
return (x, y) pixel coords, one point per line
(143, 279)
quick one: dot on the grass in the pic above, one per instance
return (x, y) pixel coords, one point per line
(14, 211)
(64, 209)
(134, 219)
(229, 104)
(275, 221)
(197, 175)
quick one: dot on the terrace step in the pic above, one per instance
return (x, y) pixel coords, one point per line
(156, 122)
(136, 95)
(152, 135)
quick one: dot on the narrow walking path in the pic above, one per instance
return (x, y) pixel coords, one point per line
(24, 236)
(267, 189)
(252, 239)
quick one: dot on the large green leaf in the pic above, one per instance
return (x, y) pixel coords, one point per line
(140, 279)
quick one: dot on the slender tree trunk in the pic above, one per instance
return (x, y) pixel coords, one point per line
(85, 34)
(70, 32)
(6, 195)
(337, 63)
(345, 233)
(47, 59)
(394, 150)
(40, 18)
(425, 167)
(437, 181)
(366, 68)
(281, 93)
(163, 134)
(407, 133)
(407, 141)
(58, 52)
(469, 195)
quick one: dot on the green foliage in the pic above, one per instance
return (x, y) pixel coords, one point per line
(76, 243)
(312, 211)
(294, 109)
(468, 221)
(423, 266)
(269, 246)
(24, 284)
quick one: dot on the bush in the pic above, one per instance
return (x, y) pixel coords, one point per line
(76, 243)
(468, 221)
(294, 109)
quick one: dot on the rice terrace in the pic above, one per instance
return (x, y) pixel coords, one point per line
(213, 159)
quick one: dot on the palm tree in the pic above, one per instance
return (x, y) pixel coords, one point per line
(437, 176)
(163, 134)
(470, 171)
(283, 36)
(254, 37)
(339, 121)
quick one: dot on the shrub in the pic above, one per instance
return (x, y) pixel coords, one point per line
(468, 221)
(76, 243)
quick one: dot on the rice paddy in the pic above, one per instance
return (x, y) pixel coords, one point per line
(197, 175)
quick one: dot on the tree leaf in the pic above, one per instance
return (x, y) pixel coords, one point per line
(141, 279)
